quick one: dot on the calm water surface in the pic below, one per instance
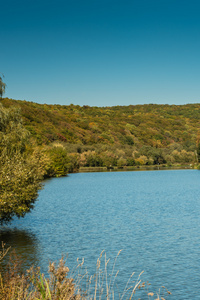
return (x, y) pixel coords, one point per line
(154, 216)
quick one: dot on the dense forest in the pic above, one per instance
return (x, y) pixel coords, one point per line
(72, 136)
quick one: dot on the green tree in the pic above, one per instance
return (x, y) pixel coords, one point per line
(20, 171)
(59, 161)
(2, 86)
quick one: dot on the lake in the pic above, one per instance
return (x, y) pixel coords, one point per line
(154, 216)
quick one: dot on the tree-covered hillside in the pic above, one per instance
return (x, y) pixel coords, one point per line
(115, 136)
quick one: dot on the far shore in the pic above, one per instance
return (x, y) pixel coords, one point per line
(135, 168)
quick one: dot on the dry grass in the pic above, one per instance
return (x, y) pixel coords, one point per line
(32, 285)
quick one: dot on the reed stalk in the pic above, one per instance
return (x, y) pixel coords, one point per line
(32, 284)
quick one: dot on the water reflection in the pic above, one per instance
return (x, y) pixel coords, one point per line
(24, 243)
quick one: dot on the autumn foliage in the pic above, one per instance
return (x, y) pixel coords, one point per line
(113, 136)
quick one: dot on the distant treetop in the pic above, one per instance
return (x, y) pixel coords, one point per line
(2, 86)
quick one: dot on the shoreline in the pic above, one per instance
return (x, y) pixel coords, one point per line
(134, 168)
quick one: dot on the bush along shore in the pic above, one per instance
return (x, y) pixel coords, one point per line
(17, 284)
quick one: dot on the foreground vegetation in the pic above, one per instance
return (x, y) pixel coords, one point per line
(16, 284)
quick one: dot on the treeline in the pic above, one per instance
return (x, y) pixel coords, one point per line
(73, 136)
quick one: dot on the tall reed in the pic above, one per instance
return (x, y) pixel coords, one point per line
(15, 284)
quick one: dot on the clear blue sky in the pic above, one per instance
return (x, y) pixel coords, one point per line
(101, 52)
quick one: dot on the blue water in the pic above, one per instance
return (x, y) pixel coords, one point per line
(154, 216)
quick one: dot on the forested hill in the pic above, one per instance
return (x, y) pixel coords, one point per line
(153, 125)
(135, 128)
